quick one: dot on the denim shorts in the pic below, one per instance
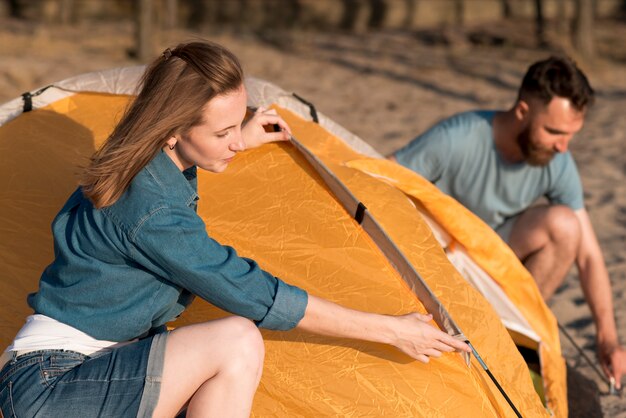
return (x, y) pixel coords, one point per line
(124, 382)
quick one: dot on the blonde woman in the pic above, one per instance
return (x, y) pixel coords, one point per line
(131, 253)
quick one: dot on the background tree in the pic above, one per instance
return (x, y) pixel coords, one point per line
(583, 37)
(144, 30)
(15, 9)
(378, 13)
(459, 12)
(507, 12)
(562, 19)
(540, 24)
(171, 14)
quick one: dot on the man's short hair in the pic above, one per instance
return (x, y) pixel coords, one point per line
(560, 77)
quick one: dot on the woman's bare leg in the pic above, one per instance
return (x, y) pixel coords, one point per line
(214, 367)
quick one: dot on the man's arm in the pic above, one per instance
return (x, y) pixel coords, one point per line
(596, 286)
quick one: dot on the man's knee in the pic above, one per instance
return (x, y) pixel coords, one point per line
(545, 227)
(563, 227)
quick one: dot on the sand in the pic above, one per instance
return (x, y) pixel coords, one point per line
(387, 87)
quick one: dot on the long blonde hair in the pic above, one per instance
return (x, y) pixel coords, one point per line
(174, 90)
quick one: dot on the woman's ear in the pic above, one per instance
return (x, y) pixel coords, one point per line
(171, 142)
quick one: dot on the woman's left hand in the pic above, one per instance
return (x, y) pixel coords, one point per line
(254, 133)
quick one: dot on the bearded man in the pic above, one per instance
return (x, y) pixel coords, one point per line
(500, 164)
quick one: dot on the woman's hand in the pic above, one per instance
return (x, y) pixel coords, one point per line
(254, 131)
(415, 337)
(410, 333)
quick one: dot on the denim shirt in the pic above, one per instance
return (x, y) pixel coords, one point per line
(125, 269)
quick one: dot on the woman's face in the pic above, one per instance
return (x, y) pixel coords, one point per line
(214, 143)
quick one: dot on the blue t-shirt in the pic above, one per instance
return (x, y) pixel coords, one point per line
(459, 156)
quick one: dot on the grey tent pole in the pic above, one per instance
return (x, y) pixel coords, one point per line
(396, 258)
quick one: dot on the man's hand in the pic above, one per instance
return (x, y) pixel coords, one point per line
(613, 361)
(254, 133)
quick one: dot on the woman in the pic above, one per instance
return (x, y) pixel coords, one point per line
(131, 253)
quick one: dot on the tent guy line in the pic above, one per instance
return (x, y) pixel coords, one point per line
(610, 382)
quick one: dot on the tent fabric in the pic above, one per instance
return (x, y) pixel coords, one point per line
(121, 80)
(124, 80)
(273, 207)
(468, 235)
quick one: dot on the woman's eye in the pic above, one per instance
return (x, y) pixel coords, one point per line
(223, 134)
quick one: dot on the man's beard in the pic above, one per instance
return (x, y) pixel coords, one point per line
(534, 154)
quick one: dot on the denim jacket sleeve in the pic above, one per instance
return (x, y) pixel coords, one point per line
(173, 242)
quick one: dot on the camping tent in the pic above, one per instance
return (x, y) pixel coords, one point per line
(273, 207)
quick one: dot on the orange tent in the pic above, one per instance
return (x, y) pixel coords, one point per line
(273, 207)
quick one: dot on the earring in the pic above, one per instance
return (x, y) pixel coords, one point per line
(171, 147)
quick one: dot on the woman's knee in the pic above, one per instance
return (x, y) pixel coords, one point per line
(220, 346)
(245, 347)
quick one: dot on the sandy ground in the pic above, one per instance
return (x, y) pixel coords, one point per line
(386, 88)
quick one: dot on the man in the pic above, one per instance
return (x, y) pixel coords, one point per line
(498, 163)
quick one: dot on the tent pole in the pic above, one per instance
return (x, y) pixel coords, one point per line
(399, 262)
(493, 379)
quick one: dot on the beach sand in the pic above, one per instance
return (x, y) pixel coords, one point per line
(387, 87)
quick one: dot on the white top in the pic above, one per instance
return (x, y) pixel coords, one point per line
(44, 333)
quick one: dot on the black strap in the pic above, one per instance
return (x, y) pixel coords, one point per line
(312, 110)
(360, 213)
(28, 98)
(28, 102)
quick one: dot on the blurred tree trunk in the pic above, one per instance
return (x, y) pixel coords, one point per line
(66, 12)
(354, 17)
(199, 12)
(540, 24)
(144, 30)
(378, 13)
(562, 19)
(583, 29)
(507, 13)
(171, 14)
(409, 14)
(459, 12)
(15, 9)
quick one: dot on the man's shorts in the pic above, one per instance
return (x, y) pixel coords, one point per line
(505, 229)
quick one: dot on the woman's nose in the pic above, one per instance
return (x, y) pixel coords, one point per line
(238, 144)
